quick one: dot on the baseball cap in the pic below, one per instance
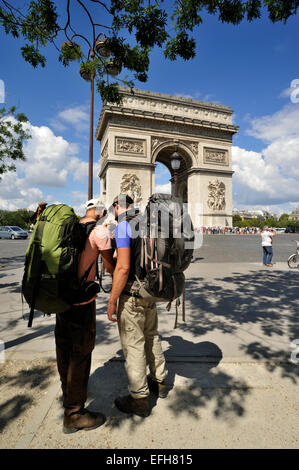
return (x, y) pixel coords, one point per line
(94, 203)
(121, 198)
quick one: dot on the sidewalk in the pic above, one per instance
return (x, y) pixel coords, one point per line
(233, 383)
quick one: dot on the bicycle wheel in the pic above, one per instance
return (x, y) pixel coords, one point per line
(105, 279)
(293, 261)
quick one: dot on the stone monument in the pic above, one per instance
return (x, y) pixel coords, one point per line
(147, 128)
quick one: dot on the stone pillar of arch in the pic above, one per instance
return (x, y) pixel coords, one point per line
(147, 128)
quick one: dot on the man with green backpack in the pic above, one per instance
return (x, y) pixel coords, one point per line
(59, 277)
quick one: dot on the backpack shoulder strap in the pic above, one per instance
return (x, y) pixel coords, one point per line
(89, 226)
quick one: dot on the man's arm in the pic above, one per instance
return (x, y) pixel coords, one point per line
(120, 277)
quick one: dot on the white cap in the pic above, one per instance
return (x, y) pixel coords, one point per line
(94, 203)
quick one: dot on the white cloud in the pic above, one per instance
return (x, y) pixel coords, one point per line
(15, 195)
(47, 158)
(51, 163)
(163, 188)
(76, 116)
(195, 96)
(79, 169)
(284, 123)
(269, 177)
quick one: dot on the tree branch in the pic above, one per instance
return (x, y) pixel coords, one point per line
(90, 18)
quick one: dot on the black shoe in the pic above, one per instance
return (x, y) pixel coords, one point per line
(137, 406)
(159, 389)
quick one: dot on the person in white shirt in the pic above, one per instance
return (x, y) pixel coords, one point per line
(267, 240)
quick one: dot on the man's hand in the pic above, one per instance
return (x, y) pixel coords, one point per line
(112, 311)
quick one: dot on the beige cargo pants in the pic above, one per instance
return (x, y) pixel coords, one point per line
(138, 331)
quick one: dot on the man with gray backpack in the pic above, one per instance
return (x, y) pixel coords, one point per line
(152, 253)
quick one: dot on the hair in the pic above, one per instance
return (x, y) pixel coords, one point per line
(265, 227)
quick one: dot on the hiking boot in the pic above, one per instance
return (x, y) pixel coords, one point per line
(137, 406)
(82, 419)
(159, 389)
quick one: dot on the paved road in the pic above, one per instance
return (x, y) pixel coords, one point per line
(244, 248)
(215, 249)
(12, 253)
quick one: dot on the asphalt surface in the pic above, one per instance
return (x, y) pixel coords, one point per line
(215, 249)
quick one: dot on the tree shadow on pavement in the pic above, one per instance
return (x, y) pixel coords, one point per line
(263, 304)
(199, 383)
(106, 383)
(40, 328)
(12, 262)
(20, 387)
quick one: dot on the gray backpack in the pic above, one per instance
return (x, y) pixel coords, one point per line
(166, 250)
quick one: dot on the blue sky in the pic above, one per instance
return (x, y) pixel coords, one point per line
(249, 67)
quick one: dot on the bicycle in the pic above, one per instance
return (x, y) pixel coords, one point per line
(293, 260)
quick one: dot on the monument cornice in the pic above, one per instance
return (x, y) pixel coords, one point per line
(209, 170)
(163, 97)
(160, 107)
(113, 110)
(120, 163)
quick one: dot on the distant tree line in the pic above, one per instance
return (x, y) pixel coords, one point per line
(20, 217)
(282, 222)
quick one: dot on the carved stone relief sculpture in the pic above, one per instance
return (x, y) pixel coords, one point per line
(216, 195)
(130, 184)
(215, 156)
(157, 141)
(104, 154)
(133, 146)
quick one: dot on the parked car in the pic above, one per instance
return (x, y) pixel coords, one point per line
(12, 231)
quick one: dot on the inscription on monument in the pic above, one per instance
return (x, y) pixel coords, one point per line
(130, 146)
(215, 156)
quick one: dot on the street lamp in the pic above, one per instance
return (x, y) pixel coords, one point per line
(100, 48)
(175, 161)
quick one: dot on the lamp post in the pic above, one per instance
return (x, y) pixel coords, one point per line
(90, 158)
(99, 48)
(175, 161)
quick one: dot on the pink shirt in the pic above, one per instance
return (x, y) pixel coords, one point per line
(98, 240)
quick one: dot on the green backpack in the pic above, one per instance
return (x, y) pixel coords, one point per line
(50, 283)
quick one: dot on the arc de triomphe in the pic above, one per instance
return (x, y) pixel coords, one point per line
(147, 128)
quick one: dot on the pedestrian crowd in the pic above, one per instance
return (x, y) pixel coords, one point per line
(231, 230)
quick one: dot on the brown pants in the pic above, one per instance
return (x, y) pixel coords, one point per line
(75, 333)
